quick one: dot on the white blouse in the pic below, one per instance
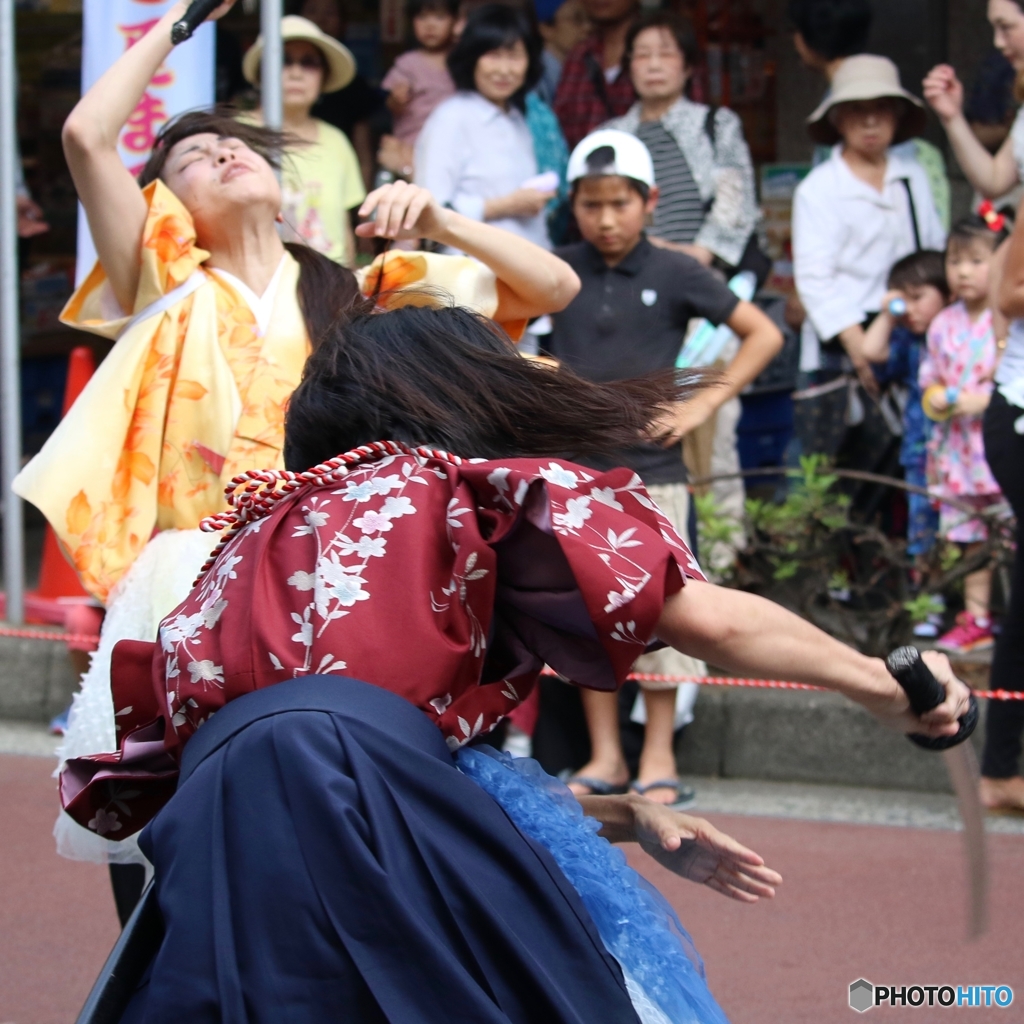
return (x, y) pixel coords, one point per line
(847, 235)
(470, 150)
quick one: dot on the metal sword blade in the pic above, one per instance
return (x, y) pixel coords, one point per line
(963, 772)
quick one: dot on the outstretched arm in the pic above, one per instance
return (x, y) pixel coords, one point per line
(531, 280)
(690, 847)
(113, 202)
(754, 637)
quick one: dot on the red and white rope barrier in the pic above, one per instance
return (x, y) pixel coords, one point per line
(640, 677)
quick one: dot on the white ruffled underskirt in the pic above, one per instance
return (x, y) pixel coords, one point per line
(158, 581)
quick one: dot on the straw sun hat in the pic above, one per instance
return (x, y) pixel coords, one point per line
(341, 65)
(867, 77)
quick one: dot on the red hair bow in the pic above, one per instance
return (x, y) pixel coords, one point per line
(987, 212)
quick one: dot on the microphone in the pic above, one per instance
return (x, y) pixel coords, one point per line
(198, 11)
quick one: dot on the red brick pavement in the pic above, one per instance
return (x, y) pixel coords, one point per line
(883, 903)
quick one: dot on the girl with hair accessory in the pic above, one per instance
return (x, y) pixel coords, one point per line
(956, 381)
(339, 842)
(214, 317)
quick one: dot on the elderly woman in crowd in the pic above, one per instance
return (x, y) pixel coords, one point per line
(321, 180)
(476, 152)
(706, 203)
(854, 216)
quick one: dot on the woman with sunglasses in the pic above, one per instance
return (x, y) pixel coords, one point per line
(214, 317)
(321, 183)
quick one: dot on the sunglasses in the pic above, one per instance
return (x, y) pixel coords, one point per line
(307, 62)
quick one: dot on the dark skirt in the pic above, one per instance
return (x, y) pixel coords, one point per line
(323, 859)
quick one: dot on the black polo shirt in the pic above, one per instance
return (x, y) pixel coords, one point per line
(629, 320)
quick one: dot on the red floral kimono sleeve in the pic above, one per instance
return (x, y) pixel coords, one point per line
(585, 564)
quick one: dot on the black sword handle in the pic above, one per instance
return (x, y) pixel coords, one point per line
(925, 692)
(198, 11)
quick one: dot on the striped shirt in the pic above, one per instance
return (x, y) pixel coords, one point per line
(680, 211)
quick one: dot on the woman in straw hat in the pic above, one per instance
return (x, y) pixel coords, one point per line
(854, 216)
(1002, 785)
(214, 317)
(321, 181)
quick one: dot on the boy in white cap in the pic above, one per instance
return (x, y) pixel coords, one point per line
(629, 319)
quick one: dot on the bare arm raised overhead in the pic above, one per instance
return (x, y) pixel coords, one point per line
(112, 199)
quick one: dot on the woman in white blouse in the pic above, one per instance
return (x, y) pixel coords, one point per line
(475, 152)
(859, 212)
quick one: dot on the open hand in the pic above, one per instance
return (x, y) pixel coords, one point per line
(402, 210)
(944, 92)
(694, 849)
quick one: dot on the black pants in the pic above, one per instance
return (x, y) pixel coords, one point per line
(1004, 451)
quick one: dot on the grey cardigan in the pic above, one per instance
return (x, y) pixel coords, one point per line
(723, 173)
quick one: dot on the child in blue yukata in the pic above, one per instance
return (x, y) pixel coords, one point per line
(897, 342)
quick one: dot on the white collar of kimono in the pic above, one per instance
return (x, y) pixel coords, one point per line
(261, 305)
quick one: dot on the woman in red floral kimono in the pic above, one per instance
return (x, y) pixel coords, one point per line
(335, 841)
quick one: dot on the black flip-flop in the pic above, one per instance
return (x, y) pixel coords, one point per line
(684, 794)
(597, 787)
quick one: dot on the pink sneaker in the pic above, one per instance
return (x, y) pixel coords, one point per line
(967, 635)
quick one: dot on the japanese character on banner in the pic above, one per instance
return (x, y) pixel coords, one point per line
(142, 125)
(132, 34)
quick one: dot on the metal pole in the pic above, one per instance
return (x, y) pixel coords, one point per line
(10, 375)
(271, 63)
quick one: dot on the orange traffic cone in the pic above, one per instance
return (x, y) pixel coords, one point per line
(57, 576)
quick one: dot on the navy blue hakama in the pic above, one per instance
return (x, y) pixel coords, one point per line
(323, 859)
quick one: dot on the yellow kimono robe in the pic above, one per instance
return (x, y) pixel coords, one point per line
(192, 393)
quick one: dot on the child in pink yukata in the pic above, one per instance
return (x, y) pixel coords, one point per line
(958, 370)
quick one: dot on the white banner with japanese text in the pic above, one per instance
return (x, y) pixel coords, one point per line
(184, 81)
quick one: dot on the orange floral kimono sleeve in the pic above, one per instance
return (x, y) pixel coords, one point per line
(104, 477)
(416, 278)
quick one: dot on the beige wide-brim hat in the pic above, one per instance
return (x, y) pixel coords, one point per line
(341, 65)
(867, 77)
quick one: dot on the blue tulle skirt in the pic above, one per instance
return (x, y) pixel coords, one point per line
(636, 923)
(325, 858)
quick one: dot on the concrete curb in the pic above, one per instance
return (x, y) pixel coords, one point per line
(36, 679)
(800, 736)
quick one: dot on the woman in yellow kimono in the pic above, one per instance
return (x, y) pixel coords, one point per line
(213, 318)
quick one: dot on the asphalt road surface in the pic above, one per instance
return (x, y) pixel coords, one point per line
(880, 902)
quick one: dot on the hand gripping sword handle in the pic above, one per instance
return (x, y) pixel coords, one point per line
(925, 692)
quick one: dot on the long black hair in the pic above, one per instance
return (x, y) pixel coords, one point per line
(450, 378)
(327, 291)
(492, 27)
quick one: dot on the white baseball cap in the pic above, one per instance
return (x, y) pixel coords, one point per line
(609, 151)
